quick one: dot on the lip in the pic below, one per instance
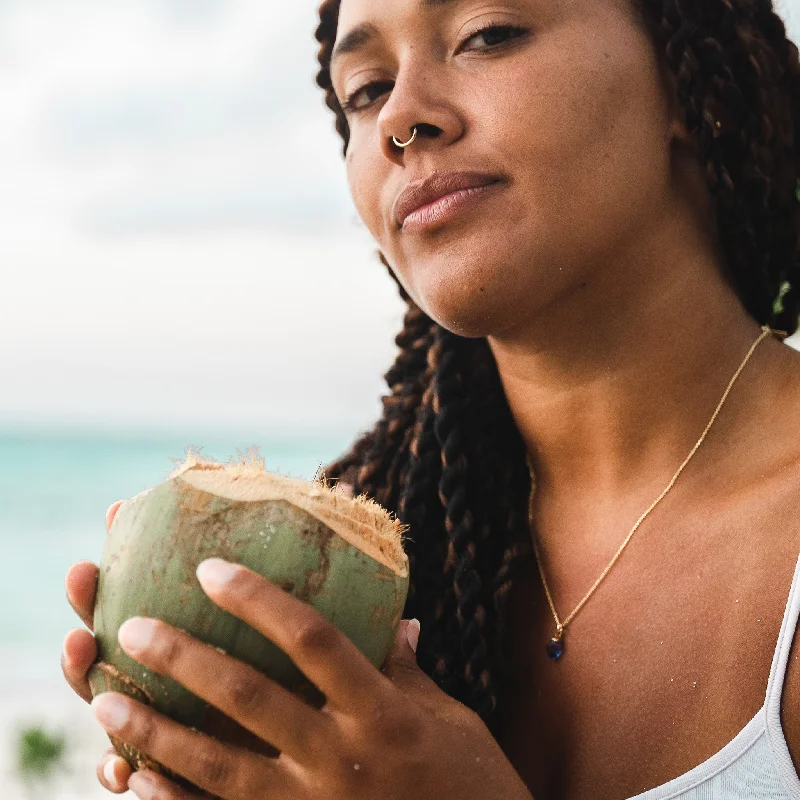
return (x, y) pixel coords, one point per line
(436, 186)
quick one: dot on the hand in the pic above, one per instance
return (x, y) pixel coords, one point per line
(80, 652)
(388, 733)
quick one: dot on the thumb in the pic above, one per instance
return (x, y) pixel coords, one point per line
(412, 636)
(403, 651)
(403, 671)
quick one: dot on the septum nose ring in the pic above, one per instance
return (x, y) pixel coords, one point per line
(406, 144)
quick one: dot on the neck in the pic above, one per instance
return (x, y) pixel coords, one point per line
(611, 392)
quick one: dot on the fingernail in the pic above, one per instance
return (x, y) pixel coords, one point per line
(216, 572)
(136, 633)
(110, 775)
(110, 710)
(65, 660)
(108, 511)
(412, 631)
(141, 785)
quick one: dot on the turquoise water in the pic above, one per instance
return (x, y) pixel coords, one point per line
(54, 492)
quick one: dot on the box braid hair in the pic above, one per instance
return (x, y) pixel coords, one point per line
(446, 457)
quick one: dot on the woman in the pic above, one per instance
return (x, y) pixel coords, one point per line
(584, 320)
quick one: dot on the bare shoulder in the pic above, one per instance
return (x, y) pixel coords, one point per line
(790, 703)
(785, 428)
(769, 462)
(773, 406)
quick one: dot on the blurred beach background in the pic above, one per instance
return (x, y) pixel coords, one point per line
(181, 266)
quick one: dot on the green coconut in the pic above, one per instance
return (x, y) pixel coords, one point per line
(342, 555)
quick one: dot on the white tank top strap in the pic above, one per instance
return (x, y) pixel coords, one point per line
(756, 763)
(777, 674)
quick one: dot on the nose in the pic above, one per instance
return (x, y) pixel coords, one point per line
(419, 98)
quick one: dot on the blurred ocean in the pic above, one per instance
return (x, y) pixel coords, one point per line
(55, 488)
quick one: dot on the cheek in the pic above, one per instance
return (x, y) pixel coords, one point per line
(580, 126)
(367, 177)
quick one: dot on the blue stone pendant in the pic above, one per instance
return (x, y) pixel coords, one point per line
(555, 647)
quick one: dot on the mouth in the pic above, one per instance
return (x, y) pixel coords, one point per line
(439, 196)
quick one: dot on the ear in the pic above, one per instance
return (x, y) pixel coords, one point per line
(677, 129)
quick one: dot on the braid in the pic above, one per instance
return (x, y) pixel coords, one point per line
(733, 63)
(393, 432)
(446, 456)
(325, 34)
(464, 613)
(421, 509)
(376, 457)
(502, 492)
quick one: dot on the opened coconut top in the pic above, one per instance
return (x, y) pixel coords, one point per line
(358, 520)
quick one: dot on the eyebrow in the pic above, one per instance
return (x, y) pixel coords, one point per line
(363, 34)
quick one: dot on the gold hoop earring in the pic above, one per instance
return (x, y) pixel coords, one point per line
(406, 144)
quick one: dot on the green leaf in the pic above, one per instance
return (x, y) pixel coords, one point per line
(777, 307)
(40, 753)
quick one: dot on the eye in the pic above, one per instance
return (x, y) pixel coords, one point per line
(350, 103)
(494, 35)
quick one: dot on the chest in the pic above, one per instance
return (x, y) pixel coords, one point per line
(664, 665)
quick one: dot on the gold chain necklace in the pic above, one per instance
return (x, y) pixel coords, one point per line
(555, 648)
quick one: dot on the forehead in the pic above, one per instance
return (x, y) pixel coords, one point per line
(360, 21)
(351, 9)
(355, 12)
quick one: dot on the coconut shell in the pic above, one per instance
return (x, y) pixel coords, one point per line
(342, 555)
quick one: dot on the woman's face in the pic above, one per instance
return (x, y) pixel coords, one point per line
(562, 102)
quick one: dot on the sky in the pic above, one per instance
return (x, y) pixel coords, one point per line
(178, 243)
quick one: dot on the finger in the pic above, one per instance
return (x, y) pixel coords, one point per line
(256, 702)
(81, 585)
(111, 512)
(78, 654)
(327, 657)
(148, 785)
(234, 773)
(113, 772)
(344, 488)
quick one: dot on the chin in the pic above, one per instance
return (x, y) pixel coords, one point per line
(463, 302)
(487, 295)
